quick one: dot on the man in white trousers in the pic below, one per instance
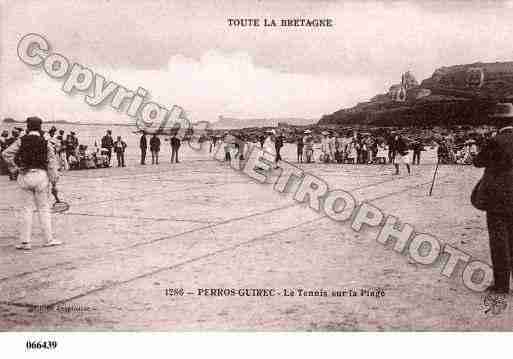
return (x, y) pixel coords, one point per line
(35, 161)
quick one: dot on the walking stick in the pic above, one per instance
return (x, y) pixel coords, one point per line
(434, 177)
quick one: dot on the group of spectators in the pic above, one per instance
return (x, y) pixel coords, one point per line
(331, 147)
(343, 147)
(154, 146)
(353, 147)
(73, 155)
(463, 153)
(69, 152)
(357, 148)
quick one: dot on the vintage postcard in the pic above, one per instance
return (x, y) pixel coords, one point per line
(298, 166)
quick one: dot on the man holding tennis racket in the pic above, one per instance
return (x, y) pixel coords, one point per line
(34, 160)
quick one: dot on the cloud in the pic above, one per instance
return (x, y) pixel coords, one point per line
(184, 53)
(218, 83)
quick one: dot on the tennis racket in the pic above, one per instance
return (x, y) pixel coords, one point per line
(58, 206)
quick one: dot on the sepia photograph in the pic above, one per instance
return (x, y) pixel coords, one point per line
(255, 166)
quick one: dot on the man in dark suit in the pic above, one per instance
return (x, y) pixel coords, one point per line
(143, 145)
(108, 143)
(418, 147)
(155, 149)
(175, 146)
(497, 189)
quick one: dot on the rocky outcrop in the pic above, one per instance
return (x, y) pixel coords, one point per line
(478, 80)
(454, 95)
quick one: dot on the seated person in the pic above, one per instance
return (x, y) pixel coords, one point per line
(73, 162)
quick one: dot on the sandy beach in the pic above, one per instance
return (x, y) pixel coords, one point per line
(133, 232)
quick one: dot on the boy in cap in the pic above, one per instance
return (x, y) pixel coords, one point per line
(33, 158)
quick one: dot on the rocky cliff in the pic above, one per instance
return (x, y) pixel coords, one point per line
(454, 95)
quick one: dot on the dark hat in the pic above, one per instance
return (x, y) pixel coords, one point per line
(34, 123)
(53, 129)
(61, 132)
(72, 133)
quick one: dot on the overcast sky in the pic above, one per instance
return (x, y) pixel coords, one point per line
(185, 53)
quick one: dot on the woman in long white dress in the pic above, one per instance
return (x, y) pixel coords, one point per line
(382, 153)
(351, 152)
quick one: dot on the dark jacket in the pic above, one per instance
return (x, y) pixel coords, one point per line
(107, 142)
(497, 181)
(400, 146)
(418, 147)
(155, 144)
(33, 152)
(71, 143)
(278, 143)
(175, 142)
(119, 146)
(143, 143)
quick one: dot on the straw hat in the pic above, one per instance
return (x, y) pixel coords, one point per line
(308, 131)
(325, 133)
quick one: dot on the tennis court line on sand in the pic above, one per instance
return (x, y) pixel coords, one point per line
(222, 250)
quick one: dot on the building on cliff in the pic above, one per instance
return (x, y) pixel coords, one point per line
(398, 92)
